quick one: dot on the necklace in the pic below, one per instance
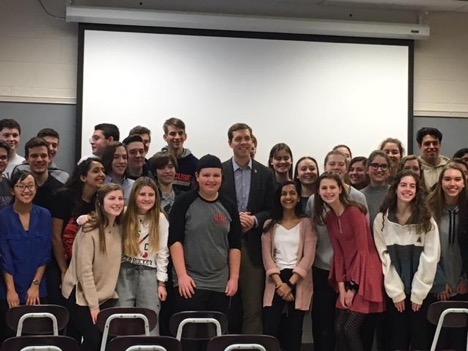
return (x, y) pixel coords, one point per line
(143, 222)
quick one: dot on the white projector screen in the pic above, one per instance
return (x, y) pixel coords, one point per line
(310, 95)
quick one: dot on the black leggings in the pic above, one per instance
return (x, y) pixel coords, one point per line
(272, 318)
(323, 311)
(80, 318)
(409, 329)
(348, 325)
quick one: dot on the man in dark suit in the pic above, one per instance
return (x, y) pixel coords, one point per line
(251, 185)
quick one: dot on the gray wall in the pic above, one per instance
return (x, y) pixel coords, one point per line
(33, 116)
(454, 132)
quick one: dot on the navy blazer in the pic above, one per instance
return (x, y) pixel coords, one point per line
(262, 189)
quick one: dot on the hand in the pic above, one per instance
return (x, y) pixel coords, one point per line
(247, 221)
(83, 219)
(12, 298)
(94, 314)
(400, 306)
(349, 297)
(232, 286)
(346, 297)
(283, 290)
(444, 295)
(462, 287)
(415, 306)
(32, 295)
(186, 286)
(341, 298)
(289, 297)
(162, 293)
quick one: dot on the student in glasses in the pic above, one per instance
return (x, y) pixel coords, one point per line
(25, 248)
(104, 133)
(378, 170)
(395, 151)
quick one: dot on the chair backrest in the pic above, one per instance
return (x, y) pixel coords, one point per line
(243, 342)
(198, 325)
(37, 319)
(124, 343)
(451, 320)
(450, 314)
(127, 320)
(41, 348)
(19, 343)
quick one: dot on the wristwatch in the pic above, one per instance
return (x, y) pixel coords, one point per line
(36, 282)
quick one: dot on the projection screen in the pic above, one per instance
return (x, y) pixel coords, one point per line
(308, 93)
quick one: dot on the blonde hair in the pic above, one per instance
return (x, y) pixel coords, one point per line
(131, 222)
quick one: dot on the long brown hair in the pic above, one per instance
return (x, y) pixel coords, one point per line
(320, 206)
(131, 224)
(436, 200)
(420, 214)
(99, 218)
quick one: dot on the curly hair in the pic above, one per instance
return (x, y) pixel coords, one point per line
(420, 214)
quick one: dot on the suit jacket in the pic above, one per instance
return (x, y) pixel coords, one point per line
(262, 189)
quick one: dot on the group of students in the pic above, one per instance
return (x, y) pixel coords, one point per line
(358, 259)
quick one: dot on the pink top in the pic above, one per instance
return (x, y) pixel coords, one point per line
(355, 258)
(305, 259)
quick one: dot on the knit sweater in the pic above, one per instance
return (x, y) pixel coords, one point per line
(92, 272)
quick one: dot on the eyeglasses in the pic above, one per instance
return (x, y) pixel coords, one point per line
(94, 138)
(3, 157)
(22, 187)
(376, 166)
